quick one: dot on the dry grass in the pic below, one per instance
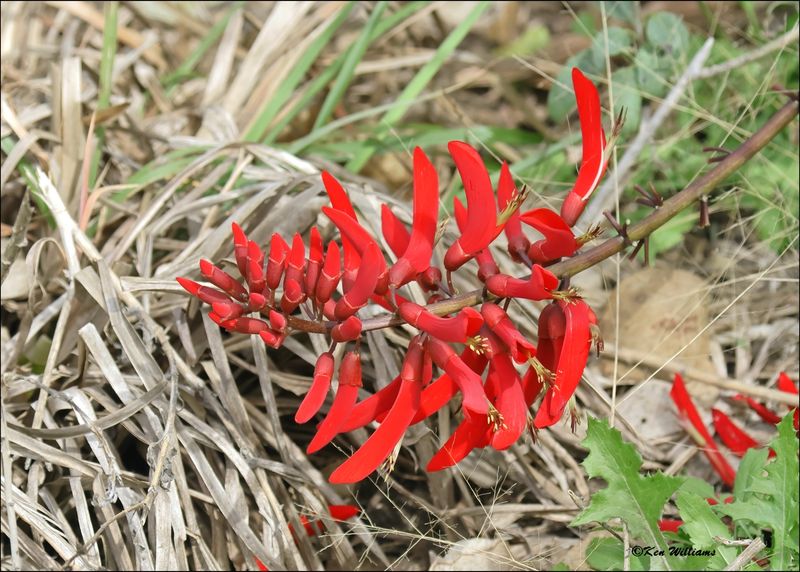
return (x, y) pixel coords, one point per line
(137, 435)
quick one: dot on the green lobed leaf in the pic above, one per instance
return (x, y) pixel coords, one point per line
(702, 525)
(668, 32)
(636, 499)
(627, 95)
(773, 499)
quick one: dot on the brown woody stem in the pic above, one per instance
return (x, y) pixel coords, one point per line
(671, 207)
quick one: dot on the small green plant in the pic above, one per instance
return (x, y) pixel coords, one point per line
(765, 504)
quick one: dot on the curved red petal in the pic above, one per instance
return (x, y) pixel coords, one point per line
(481, 212)
(341, 202)
(323, 372)
(394, 231)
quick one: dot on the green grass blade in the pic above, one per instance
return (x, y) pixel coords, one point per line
(288, 85)
(184, 70)
(354, 55)
(28, 173)
(107, 55)
(319, 83)
(423, 77)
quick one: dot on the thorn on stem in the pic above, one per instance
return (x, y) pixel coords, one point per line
(622, 230)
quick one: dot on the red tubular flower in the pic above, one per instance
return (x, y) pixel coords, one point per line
(733, 437)
(481, 225)
(486, 263)
(558, 238)
(362, 241)
(474, 432)
(700, 434)
(500, 324)
(314, 264)
(346, 395)
(381, 443)
(204, 293)
(347, 331)
(223, 281)
(341, 202)
(669, 525)
(394, 231)
(434, 396)
(417, 256)
(469, 383)
(786, 384)
(278, 251)
(509, 401)
(456, 329)
(571, 362)
(593, 162)
(538, 287)
(518, 243)
(330, 275)
(364, 285)
(323, 372)
(766, 414)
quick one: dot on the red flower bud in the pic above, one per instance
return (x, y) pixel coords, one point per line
(518, 243)
(271, 338)
(256, 281)
(277, 321)
(341, 202)
(257, 302)
(366, 280)
(245, 325)
(314, 265)
(295, 264)
(323, 372)
(240, 249)
(223, 280)
(278, 251)
(361, 241)
(227, 310)
(330, 275)
(292, 296)
(347, 331)
(204, 293)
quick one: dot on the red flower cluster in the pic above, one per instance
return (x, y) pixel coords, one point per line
(290, 281)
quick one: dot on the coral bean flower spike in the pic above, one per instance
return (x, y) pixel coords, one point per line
(333, 281)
